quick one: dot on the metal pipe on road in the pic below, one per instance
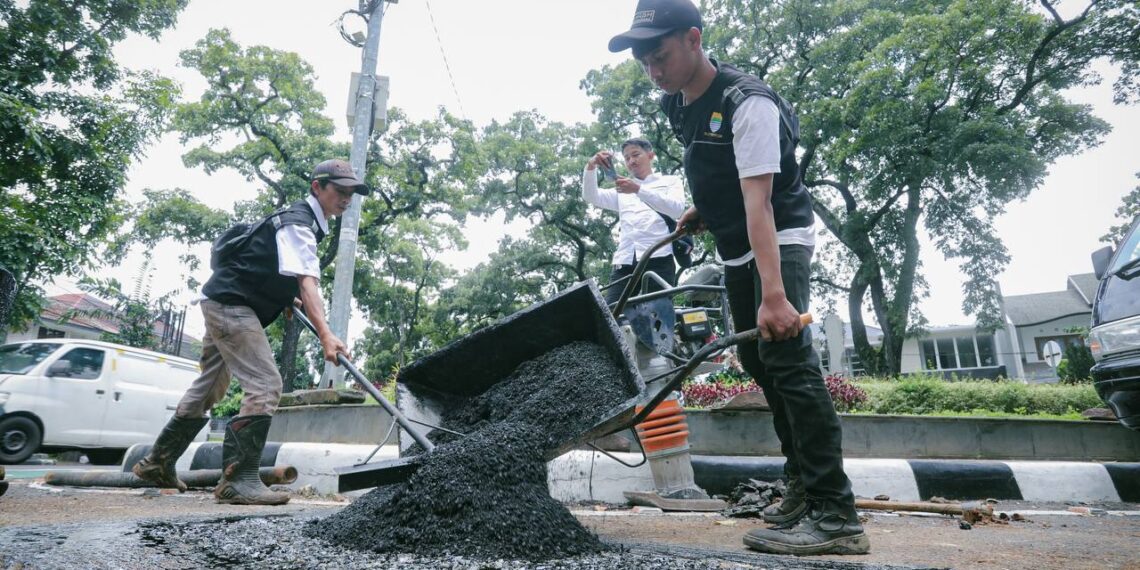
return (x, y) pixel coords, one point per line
(198, 478)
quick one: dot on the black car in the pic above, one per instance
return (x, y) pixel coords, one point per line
(1115, 335)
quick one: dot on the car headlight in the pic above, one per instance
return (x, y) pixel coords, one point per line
(1115, 337)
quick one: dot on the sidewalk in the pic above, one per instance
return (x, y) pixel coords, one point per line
(591, 476)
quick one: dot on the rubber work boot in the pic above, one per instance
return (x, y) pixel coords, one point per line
(791, 508)
(241, 459)
(158, 465)
(828, 528)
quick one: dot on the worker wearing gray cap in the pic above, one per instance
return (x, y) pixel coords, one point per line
(259, 270)
(740, 140)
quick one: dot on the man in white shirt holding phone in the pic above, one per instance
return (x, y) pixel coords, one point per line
(640, 200)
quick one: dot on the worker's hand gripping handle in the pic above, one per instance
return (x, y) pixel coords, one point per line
(750, 335)
(372, 390)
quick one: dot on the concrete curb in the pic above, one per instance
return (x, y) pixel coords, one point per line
(592, 476)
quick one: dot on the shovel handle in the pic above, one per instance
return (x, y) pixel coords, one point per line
(750, 335)
(639, 270)
(372, 390)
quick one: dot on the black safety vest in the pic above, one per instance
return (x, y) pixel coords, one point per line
(704, 128)
(251, 276)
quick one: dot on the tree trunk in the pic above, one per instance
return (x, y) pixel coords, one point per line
(868, 355)
(898, 317)
(289, 355)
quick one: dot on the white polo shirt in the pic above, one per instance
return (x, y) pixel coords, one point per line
(639, 224)
(297, 246)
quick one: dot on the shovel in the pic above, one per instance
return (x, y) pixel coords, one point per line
(395, 470)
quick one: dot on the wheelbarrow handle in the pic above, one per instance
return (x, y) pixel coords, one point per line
(639, 270)
(372, 390)
(750, 335)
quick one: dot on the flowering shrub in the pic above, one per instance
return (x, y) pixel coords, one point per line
(722, 386)
(709, 393)
(845, 396)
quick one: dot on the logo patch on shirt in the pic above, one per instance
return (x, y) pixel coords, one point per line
(644, 17)
(715, 121)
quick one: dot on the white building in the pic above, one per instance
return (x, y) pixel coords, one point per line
(1013, 351)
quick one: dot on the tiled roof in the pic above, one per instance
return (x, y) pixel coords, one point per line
(1085, 284)
(1043, 307)
(72, 306)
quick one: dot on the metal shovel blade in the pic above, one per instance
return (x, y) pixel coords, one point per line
(377, 474)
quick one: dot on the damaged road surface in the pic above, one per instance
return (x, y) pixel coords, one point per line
(281, 543)
(69, 529)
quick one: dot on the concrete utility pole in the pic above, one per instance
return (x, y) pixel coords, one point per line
(341, 307)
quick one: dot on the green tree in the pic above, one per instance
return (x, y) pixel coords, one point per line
(1126, 214)
(425, 175)
(71, 121)
(534, 172)
(262, 116)
(922, 117)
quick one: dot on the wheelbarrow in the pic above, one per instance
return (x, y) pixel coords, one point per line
(467, 367)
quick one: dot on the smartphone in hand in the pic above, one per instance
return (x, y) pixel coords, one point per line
(608, 170)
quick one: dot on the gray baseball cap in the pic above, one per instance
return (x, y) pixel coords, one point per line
(340, 173)
(655, 18)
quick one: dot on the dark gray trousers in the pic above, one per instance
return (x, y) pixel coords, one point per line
(788, 371)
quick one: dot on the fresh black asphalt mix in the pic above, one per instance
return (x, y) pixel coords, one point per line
(485, 495)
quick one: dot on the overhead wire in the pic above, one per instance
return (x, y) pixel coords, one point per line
(446, 63)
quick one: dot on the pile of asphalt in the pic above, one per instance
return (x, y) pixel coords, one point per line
(285, 543)
(485, 495)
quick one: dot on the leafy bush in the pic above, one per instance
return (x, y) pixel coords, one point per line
(926, 395)
(230, 405)
(1077, 365)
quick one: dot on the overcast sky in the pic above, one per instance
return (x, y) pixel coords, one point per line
(510, 55)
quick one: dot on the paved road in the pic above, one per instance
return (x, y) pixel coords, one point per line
(1048, 536)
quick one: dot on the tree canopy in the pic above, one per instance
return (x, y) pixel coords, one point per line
(71, 121)
(925, 116)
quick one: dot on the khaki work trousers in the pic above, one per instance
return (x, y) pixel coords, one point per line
(235, 346)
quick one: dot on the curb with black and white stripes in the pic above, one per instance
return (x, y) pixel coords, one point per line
(592, 476)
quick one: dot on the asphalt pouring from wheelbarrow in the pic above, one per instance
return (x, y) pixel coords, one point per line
(479, 487)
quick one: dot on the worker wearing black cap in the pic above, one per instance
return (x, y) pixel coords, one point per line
(275, 264)
(740, 139)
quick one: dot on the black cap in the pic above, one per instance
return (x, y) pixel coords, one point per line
(655, 18)
(340, 173)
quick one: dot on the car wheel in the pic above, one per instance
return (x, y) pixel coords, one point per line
(20, 437)
(104, 456)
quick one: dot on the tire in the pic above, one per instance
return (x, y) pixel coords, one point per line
(20, 437)
(104, 456)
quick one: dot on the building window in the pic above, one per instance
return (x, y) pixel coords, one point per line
(952, 353)
(854, 364)
(49, 333)
(928, 354)
(824, 357)
(967, 356)
(987, 354)
(946, 357)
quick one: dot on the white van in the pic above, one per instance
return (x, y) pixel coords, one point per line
(85, 394)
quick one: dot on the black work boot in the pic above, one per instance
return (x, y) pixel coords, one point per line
(790, 508)
(241, 459)
(158, 465)
(828, 528)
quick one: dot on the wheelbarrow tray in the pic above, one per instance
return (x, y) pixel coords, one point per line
(430, 386)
